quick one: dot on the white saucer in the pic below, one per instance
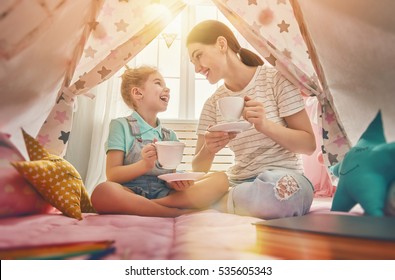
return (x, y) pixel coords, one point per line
(187, 176)
(231, 126)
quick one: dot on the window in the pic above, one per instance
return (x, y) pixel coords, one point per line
(188, 90)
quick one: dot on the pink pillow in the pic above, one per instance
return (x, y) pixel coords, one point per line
(17, 196)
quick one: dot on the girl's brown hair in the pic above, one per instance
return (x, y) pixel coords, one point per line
(207, 32)
(134, 77)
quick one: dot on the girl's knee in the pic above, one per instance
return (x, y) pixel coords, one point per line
(102, 192)
(97, 195)
(97, 190)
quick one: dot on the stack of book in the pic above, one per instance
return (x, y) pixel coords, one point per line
(328, 236)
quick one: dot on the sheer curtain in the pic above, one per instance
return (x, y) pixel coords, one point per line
(90, 130)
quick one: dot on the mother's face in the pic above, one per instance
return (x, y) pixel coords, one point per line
(209, 60)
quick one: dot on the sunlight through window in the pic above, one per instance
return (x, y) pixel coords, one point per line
(167, 52)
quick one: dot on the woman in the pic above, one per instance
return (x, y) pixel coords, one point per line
(267, 178)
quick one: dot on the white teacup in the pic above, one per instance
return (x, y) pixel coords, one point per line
(169, 153)
(231, 107)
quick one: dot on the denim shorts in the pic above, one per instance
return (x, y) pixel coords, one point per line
(148, 186)
(272, 194)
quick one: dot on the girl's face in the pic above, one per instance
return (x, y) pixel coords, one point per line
(155, 95)
(209, 60)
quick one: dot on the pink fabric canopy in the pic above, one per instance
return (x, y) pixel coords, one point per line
(65, 48)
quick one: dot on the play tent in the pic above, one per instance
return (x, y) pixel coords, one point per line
(52, 51)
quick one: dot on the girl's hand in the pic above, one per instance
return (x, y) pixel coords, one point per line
(254, 113)
(149, 155)
(180, 185)
(217, 140)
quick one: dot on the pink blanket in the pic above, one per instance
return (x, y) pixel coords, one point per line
(203, 235)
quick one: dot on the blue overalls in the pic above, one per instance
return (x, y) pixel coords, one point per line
(147, 185)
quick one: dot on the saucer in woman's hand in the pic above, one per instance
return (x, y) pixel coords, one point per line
(231, 127)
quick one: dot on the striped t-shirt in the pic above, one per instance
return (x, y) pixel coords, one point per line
(254, 151)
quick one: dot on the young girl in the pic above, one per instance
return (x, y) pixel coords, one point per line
(131, 167)
(267, 178)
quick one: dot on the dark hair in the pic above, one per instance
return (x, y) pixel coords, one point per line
(207, 32)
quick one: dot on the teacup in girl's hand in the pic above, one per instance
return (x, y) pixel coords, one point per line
(169, 153)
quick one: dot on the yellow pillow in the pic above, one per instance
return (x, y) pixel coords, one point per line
(55, 179)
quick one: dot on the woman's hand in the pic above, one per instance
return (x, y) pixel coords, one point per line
(217, 140)
(254, 113)
(180, 185)
(149, 155)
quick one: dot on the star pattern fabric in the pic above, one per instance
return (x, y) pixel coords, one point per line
(283, 26)
(90, 52)
(121, 25)
(64, 136)
(61, 116)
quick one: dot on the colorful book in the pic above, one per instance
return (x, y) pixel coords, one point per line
(328, 236)
(92, 250)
